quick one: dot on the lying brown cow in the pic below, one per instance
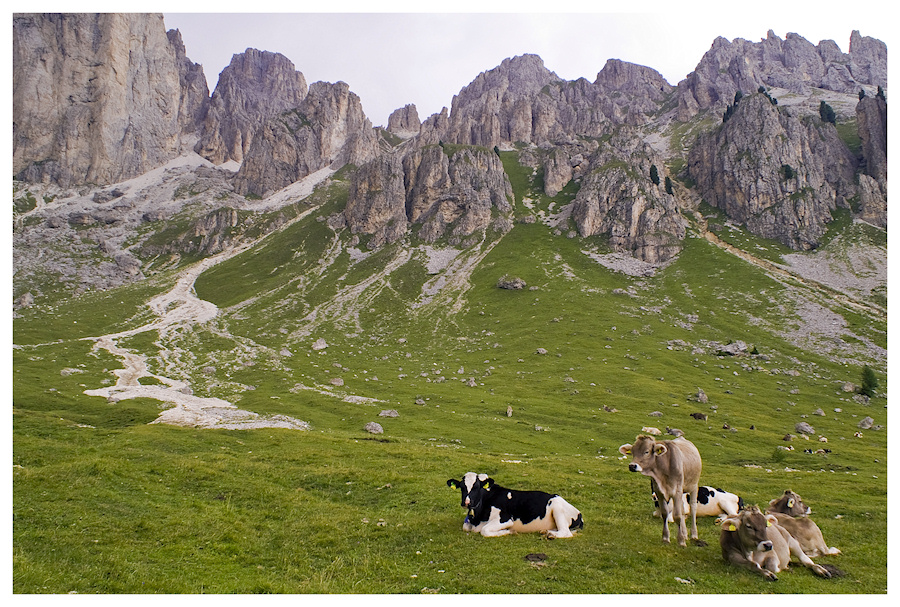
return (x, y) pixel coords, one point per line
(674, 468)
(756, 541)
(791, 513)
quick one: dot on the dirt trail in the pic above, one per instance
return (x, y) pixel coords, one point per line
(780, 272)
(177, 309)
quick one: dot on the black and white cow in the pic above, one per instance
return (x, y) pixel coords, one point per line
(494, 510)
(710, 502)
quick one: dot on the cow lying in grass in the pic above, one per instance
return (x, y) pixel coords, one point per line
(792, 513)
(494, 510)
(710, 502)
(756, 541)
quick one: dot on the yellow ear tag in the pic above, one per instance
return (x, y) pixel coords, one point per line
(731, 527)
(486, 485)
(768, 523)
(790, 503)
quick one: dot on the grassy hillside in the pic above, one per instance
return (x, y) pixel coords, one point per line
(104, 501)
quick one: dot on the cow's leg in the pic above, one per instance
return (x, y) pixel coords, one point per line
(736, 557)
(693, 492)
(562, 517)
(679, 515)
(664, 503)
(797, 551)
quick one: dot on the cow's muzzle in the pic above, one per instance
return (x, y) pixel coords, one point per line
(764, 546)
(634, 467)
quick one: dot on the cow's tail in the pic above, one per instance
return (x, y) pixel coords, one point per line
(578, 523)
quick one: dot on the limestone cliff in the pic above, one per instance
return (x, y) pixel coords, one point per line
(871, 122)
(794, 64)
(778, 174)
(619, 199)
(98, 98)
(444, 190)
(327, 129)
(522, 101)
(255, 86)
(404, 122)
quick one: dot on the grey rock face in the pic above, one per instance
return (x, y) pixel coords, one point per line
(98, 98)
(871, 122)
(777, 174)
(522, 101)
(194, 90)
(794, 64)
(618, 198)
(255, 86)
(405, 121)
(328, 128)
(445, 193)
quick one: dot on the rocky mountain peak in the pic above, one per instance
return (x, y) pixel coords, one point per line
(97, 98)
(253, 87)
(327, 129)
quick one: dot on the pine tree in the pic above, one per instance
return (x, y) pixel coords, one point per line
(826, 113)
(869, 382)
(668, 185)
(654, 174)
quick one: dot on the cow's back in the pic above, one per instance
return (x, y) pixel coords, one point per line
(690, 460)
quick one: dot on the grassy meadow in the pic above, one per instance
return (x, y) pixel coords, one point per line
(106, 502)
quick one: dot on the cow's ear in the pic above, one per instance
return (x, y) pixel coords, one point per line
(770, 519)
(791, 503)
(660, 449)
(730, 524)
(453, 484)
(487, 483)
(625, 449)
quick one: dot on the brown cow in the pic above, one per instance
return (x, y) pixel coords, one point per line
(674, 468)
(756, 541)
(791, 513)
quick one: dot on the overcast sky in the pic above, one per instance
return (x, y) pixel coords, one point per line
(390, 59)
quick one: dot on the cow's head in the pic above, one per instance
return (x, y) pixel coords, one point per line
(472, 487)
(643, 453)
(789, 503)
(751, 526)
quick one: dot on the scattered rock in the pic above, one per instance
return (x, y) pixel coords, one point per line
(804, 428)
(674, 431)
(320, 344)
(513, 283)
(819, 412)
(70, 371)
(389, 413)
(861, 399)
(866, 423)
(655, 414)
(208, 370)
(701, 396)
(25, 301)
(541, 351)
(374, 428)
(336, 381)
(509, 411)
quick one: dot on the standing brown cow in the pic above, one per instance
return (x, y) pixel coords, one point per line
(674, 468)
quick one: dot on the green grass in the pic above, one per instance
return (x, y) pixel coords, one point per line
(104, 501)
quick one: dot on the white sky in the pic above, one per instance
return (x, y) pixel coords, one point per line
(406, 56)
